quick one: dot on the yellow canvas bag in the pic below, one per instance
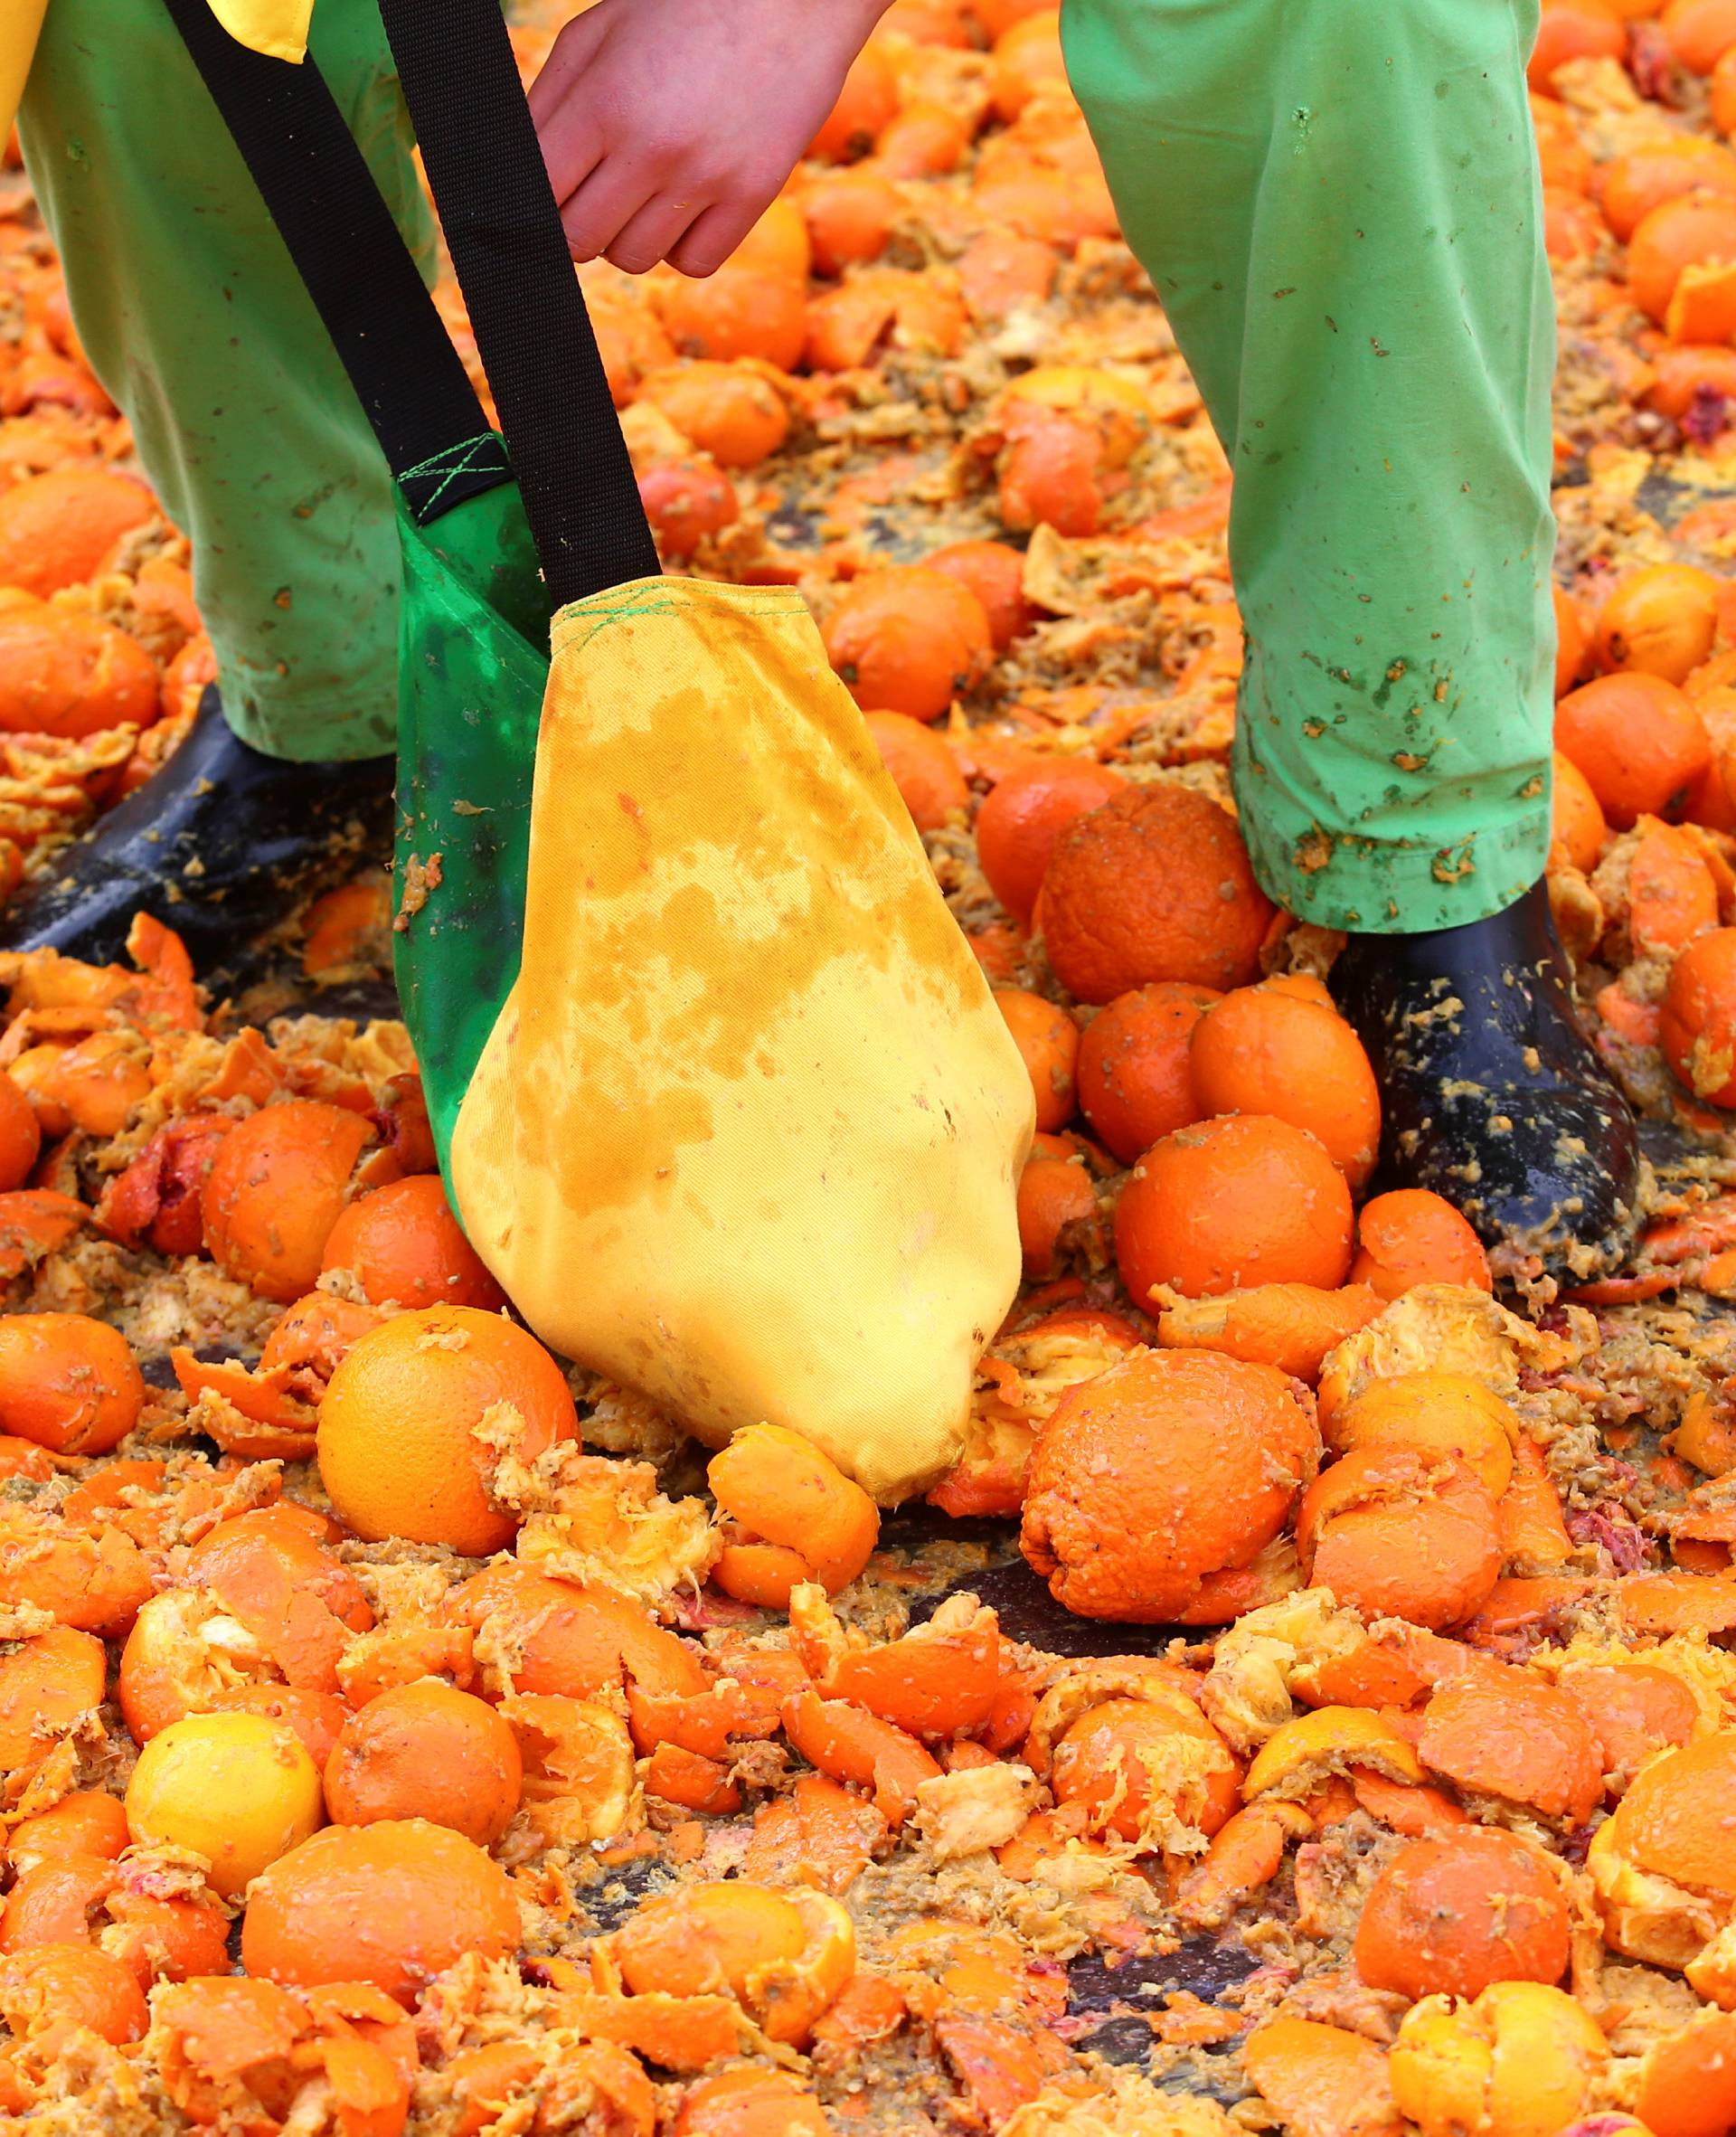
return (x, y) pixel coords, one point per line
(741, 1123)
(747, 1132)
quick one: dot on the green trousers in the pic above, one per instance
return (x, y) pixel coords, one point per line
(1339, 203)
(198, 324)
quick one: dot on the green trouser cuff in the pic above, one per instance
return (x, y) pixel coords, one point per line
(1339, 203)
(197, 323)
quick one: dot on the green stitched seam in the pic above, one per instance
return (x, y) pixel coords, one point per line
(469, 453)
(601, 610)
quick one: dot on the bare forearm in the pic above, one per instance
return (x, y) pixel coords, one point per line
(668, 126)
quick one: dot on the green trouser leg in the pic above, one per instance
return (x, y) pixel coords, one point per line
(197, 323)
(1338, 202)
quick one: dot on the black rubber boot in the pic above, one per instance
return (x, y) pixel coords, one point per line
(220, 846)
(1493, 1095)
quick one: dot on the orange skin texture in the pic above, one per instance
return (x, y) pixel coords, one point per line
(1687, 2084)
(46, 1993)
(20, 1136)
(1323, 2081)
(1674, 1819)
(57, 529)
(925, 770)
(403, 1244)
(1395, 1532)
(68, 1383)
(1136, 1067)
(1097, 1763)
(822, 1828)
(1639, 742)
(1578, 832)
(729, 411)
(573, 1640)
(998, 272)
(63, 1899)
(392, 1904)
(1027, 63)
(1573, 30)
(1636, 184)
(684, 503)
(1672, 894)
(1048, 1043)
(267, 1566)
(1155, 884)
(1700, 31)
(940, 1686)
(750, 2103)
(1434, 1413)
(1697, 1029)
(276, 1187)
(850, 216)
(1234, 1203)
(1023, 816)
(397, 1446)
(1453, 1915)
(89, 1821)
(1690, 231)
(425, 1751)
(861, 1749)
(739, 312)
(1167, 1468)
(45, 1684)
(71, 675)
(1512, 1735)
(779, 1487)
(1569, 642)
(1659, 622)
(909, 640)
(1681, 373)
(994, 573)
(316, 1718)
(1633, 1711)
(1410, 1237)
(1291, 1326)
(866, 103)
(1723, 95)
(1262, 1050)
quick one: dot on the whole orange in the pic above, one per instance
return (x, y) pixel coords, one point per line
(393, 1904)
(1155, 884)
(1228, 1203)
(400, 1447)
(1170, 1467)
(1262, 1050)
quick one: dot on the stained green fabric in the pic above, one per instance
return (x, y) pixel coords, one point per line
(200, 328)
(1338, 202)
(475, 661)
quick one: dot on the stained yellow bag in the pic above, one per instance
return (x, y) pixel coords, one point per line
(747, 1132)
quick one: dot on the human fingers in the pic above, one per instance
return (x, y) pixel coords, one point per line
(713, 237)
(654, 233)
(595, 214)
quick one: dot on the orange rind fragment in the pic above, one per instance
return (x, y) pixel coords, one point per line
(819, 1835)
(1522, 2056)
(1528, 1514)
(1663, 1865)
(1299, 1758)
(1398, 1531)
(940, 1681)
(1507, 1735)
(1321, 2081)
(1687, 2081)
(1453, 1913)
(785, 1956)
(859, 1748)
(578, 1769)
(781, 1490)
(1244, 1857)
(93, 1581)
(750, 2102)
(49, 1685)
(1290, 1325)
(534, 1634)
(1446, 1413)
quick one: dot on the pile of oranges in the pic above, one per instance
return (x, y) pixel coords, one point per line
(401, 1732)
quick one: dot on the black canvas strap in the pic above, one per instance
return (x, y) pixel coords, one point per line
(364, 282)
(503, 229)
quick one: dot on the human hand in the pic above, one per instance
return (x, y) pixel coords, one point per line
(669, 125)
